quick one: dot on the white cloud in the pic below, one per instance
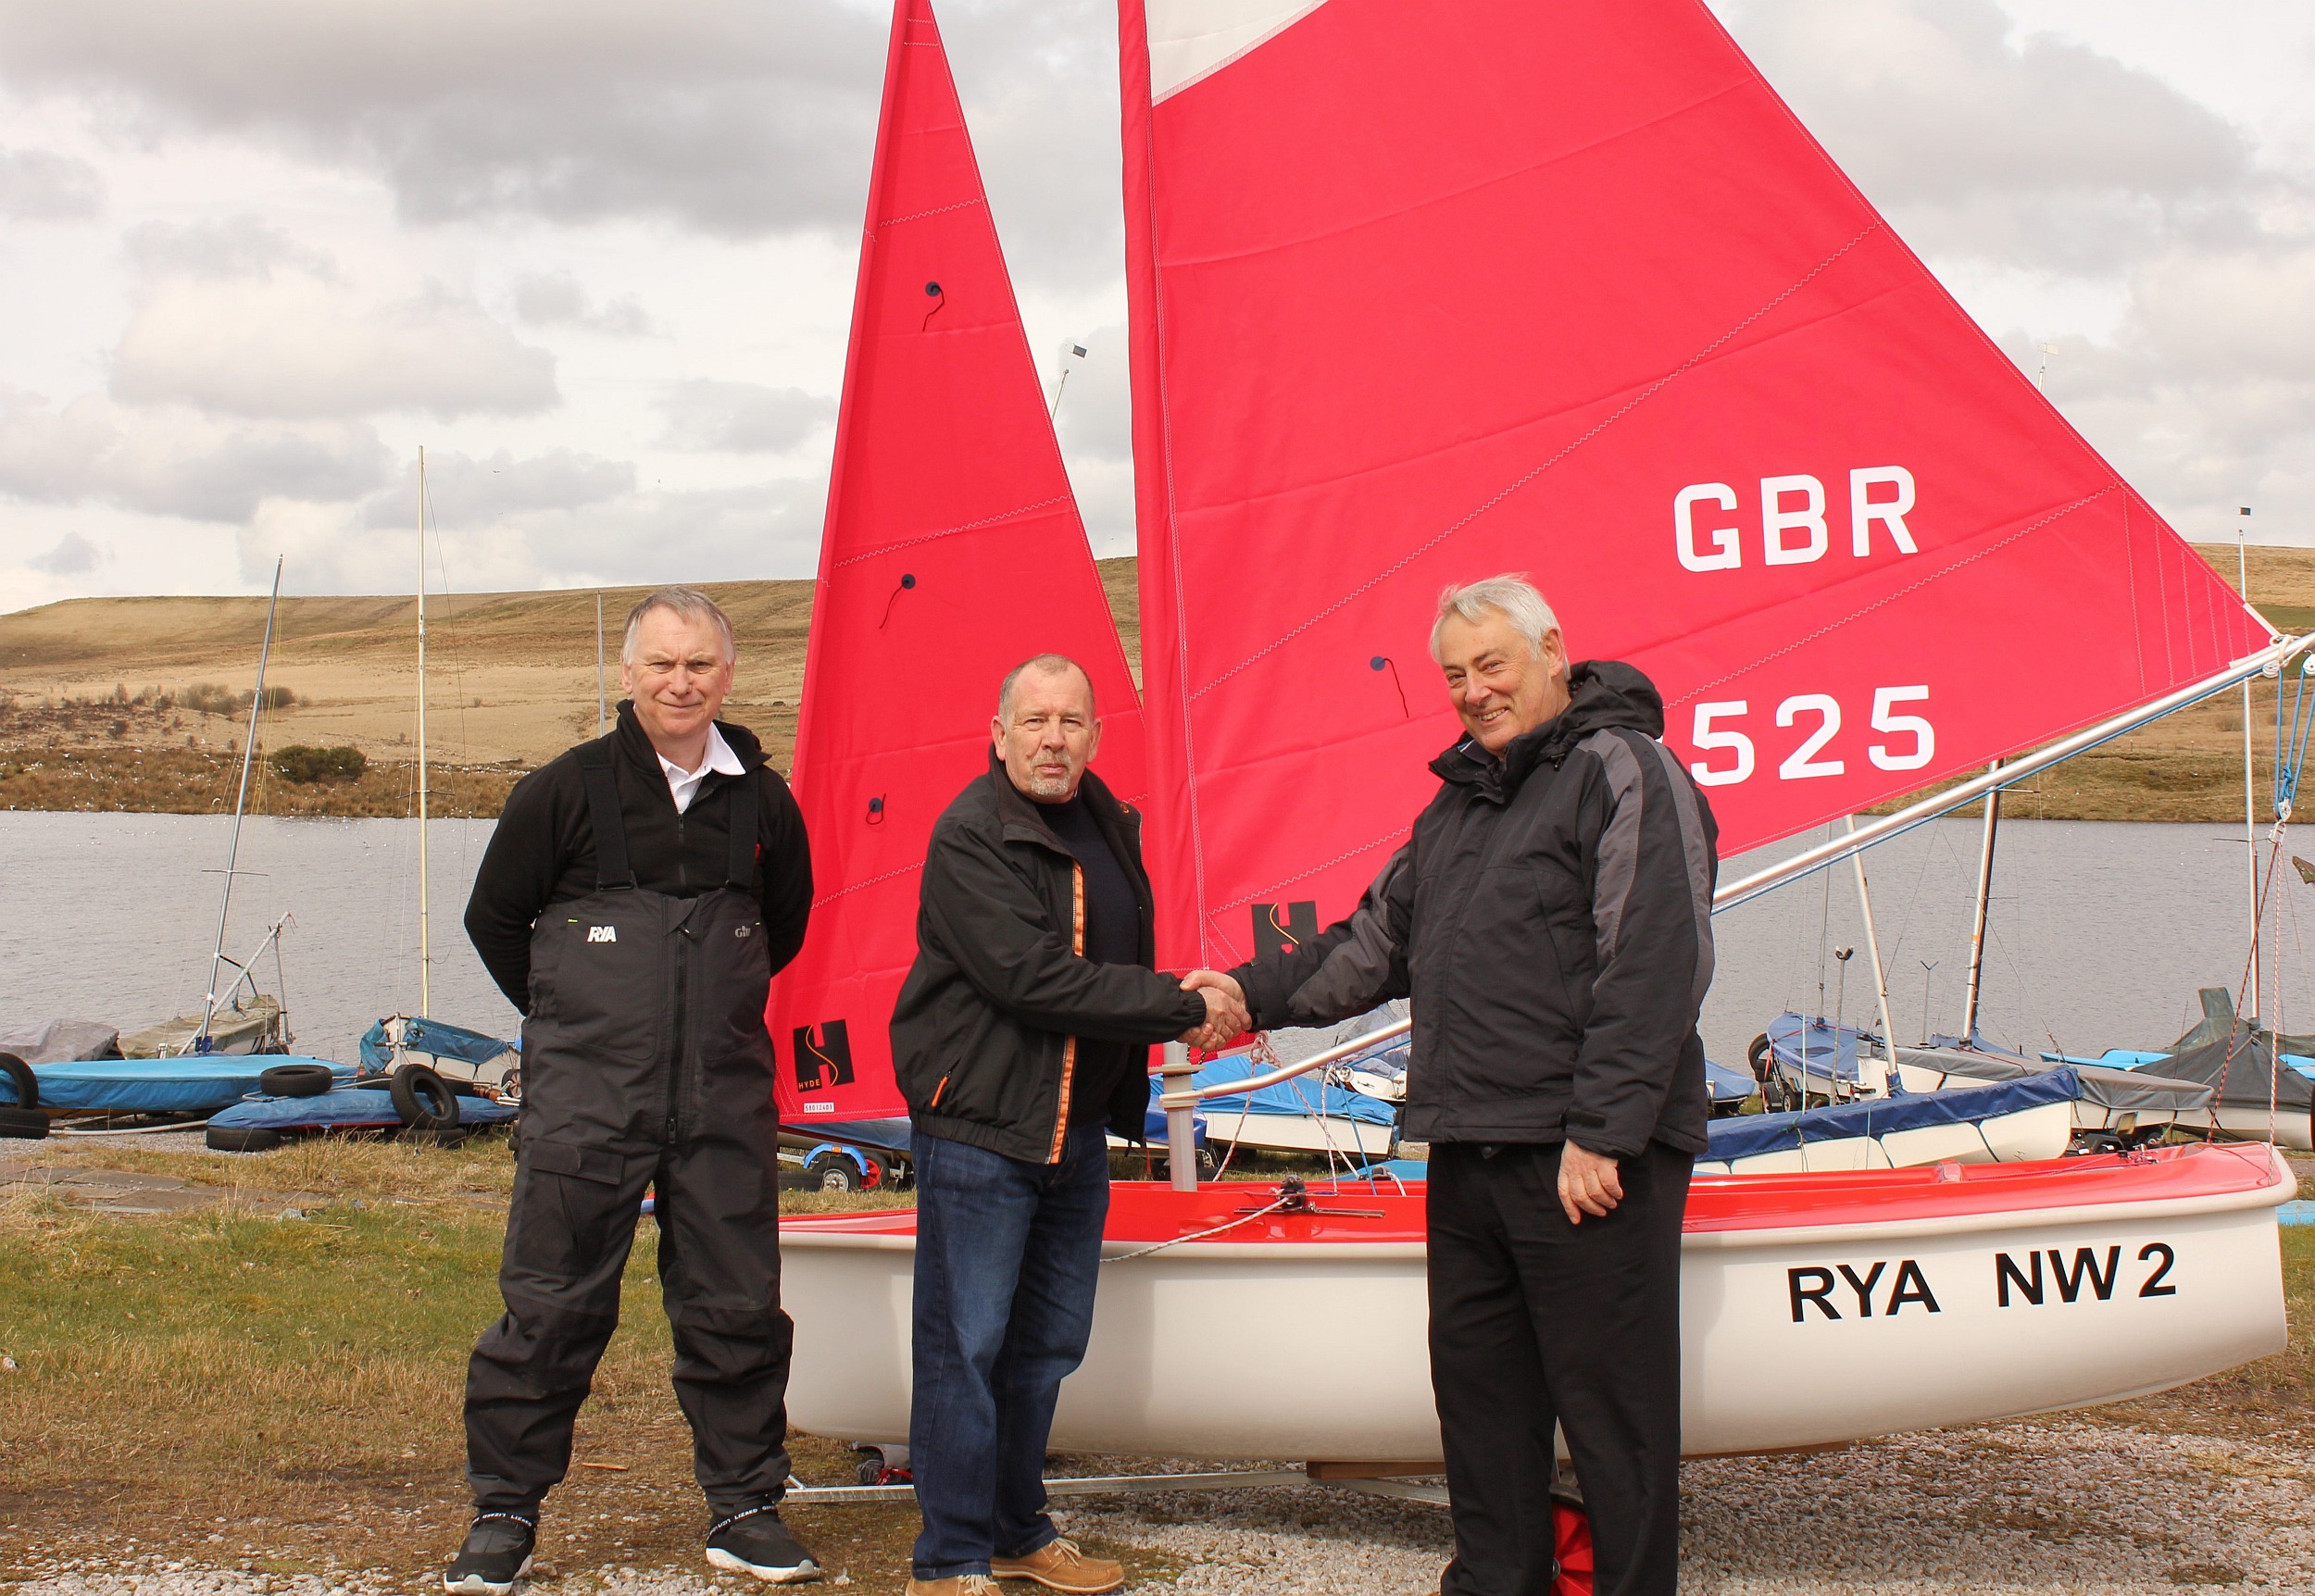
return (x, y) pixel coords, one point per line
(41, 185)
(73, 556)
(559, 299)
(235, 317)
(741, 418)
(174, 461)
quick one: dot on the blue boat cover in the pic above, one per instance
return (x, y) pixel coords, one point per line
(184, 1085)
(1756, 1133)
(1303, 1097)
(433, 1036)
(1828, 1049)
(351, 1108)
(1727, 1085)
(883, 1135)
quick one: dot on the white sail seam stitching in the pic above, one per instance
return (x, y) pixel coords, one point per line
(840, 891)
(952, 531)
(938, 210)
(1534, 471)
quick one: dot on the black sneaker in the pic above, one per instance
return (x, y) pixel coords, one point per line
(756, 1542)
(496, 1554)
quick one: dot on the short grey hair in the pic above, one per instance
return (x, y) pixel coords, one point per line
(1510, 595)
(689, 602)
(1044, 665)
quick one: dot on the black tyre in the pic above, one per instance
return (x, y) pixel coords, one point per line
(1757, 1056)
(23, 1123)
(832, 1171)
(238, 1139)
(423, 1099)
(296, 1081)
(21, 1080)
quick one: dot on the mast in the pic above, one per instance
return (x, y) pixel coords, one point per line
(1881, 977)
(425, 942)
(240, 800)
(1984, 897)
(2250, 797)
(602, 708)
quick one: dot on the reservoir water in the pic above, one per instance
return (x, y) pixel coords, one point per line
(2101, 932)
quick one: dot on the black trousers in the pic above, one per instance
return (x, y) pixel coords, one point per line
(1534, 1323)
(568, 1237)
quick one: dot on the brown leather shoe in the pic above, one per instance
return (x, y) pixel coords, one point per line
(1059, 1565)
(956, 1585)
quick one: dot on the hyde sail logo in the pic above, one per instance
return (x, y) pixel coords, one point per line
(1283, 927)
(824, 1061)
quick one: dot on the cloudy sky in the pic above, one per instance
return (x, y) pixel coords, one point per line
(597, 258)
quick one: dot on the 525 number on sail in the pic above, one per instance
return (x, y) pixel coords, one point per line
(1907, 741)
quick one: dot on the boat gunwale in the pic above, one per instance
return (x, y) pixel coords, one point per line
(880, 1231)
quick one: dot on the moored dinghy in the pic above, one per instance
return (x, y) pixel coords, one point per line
(1420, 293)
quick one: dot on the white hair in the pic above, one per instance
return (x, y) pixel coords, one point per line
(689, 602)
(1512, 596)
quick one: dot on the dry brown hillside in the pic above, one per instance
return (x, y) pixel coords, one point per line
(102, 700)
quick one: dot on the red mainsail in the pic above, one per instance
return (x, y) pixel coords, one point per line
(952, 551)
(1424, 292)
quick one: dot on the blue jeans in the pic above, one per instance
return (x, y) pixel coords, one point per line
(1007, 1254)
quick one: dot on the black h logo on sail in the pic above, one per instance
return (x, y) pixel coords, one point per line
(823, 1062)
(1283, 927)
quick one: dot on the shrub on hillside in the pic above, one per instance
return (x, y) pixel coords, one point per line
(208, 698)
(300, 764)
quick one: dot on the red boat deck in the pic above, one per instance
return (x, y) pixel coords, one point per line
(1146, 1211)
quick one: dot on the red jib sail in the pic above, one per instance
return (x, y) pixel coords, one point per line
(952, 551)
(1424, 292)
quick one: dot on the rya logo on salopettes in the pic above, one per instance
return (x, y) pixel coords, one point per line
(823, 1061)
(1283, 927)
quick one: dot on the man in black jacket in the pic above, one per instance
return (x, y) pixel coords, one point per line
(635, 900)
(1551, 919)
(1022, 1040)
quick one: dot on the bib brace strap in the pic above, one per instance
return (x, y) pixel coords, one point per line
(611, 870)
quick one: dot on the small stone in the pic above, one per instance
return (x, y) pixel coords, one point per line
(7, 1365)
(291, 1214)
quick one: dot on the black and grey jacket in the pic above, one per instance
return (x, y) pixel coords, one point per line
(990, 1024)
(1551, 921)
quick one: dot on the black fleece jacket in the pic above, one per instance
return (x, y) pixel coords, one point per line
(544, 849)
(1551, 919)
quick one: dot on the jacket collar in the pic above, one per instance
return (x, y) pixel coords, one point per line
(1024, 818)
(635, 743)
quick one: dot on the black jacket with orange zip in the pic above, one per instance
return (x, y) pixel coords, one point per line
(1000, 1001)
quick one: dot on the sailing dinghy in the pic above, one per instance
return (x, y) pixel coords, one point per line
(1419, 293)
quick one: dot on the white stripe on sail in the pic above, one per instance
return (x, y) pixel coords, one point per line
(1193, 39)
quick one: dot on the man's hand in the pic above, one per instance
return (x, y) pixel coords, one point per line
(1589, 1183)
(1226, 1017)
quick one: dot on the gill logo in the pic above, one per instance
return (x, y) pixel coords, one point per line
(824, 1061)
(602, 933)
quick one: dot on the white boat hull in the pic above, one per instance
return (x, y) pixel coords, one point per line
(1278, 1348)
(1299, 1133)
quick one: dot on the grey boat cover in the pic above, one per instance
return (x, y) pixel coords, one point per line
(253, 1025)
(60, 1040)
(2116, 1091)
(2241, 1068)
(2218, 1022)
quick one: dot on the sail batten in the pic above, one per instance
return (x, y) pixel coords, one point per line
(951, 550)
(1423, 293)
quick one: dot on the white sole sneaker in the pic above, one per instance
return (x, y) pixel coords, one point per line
(475, 1585)
(802, 1573)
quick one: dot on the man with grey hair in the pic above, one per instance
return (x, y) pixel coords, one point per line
(1021, 1040)
(1551, 921)
(637, 897)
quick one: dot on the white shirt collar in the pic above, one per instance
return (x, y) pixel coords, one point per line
(683, 785)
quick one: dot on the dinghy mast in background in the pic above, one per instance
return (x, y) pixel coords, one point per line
(214, 999)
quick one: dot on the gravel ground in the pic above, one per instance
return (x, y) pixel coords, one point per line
(2028, 1509)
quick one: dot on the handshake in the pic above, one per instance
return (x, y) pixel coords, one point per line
(1226, 1015)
